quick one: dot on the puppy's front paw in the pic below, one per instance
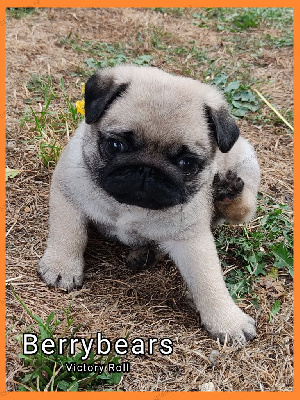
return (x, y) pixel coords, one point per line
(227, 187)
(234, 324)
(66, 274)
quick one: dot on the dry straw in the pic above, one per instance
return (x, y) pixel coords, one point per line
(274, 109)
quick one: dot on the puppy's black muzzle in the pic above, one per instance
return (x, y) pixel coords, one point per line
(143, 186)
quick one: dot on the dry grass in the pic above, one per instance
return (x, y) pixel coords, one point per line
(113, 300)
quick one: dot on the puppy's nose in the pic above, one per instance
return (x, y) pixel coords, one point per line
(146, 173)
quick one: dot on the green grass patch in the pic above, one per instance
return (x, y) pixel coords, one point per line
(51, 124)
(118, 59)
(20, 12)
(239, 95)
(263, 247)
(48, 372)
(104, 54)
(173, 11)
(239, 19)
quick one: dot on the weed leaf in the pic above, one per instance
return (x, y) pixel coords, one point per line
(275, 309)
(232, 86)
(283, 258)
(11, 173)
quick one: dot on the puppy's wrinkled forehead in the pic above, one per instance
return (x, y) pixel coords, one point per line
(159, 108)
(160, 112)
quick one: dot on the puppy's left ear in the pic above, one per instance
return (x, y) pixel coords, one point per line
(223, 127)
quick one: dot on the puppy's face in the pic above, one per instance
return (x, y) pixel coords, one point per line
(153, 136)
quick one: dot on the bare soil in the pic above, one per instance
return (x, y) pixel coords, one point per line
(113, 300)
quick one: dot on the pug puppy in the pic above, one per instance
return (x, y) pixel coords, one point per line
(156, 164)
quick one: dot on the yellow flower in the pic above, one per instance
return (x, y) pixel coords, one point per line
(80, 106)
(80, 103)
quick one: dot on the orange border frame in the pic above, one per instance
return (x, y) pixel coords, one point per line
(136, 3)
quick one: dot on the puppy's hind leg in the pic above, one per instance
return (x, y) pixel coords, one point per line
(236, 184)
(142, 258)
(233, 201)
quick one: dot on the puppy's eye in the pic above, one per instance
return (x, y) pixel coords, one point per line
(113, 147)
(188, 165)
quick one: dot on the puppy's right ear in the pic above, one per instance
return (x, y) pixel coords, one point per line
(100, 93)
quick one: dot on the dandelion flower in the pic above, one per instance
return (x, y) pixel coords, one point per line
(80, 106)
(80, 103)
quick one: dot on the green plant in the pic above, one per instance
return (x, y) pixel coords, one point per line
(275, 309)
(100, 49)
(20, 12)
(275, 41)
(49, 153)
(173, 11)
(238, 95)
(11, 173)
(263, 247)
(240, 19)
(51, 127)
(71, 105)
(228, 19)
(47, 372)
(116, 60)
(108, 54)
(144, 59)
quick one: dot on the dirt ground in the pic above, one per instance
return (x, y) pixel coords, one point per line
(113, 300)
